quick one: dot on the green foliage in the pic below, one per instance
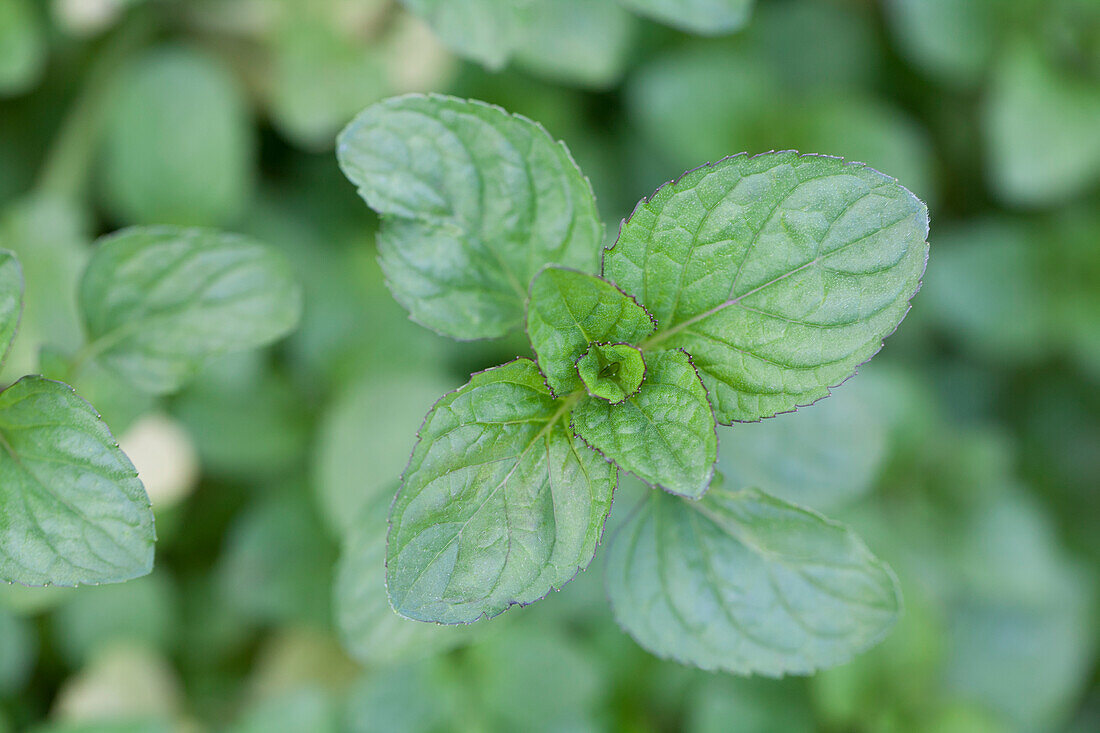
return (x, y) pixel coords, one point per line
(22, 46)
(490, 191)
(749, 287)
(159, 302)
(707, 17)
(747, 583)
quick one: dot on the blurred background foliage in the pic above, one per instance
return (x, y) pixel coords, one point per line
(967, 454)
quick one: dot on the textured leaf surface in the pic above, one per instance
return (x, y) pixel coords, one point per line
(612, 372)
(159, 301)
(475, 201)
(705, 17)
(500, 502)
(11, 301)
(780, 274)
(568, 311)
(747, 583)
(73, 509)
(369, 629)
(664, 434)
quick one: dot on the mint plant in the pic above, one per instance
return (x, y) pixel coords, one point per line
(157, 303)
(744, 289)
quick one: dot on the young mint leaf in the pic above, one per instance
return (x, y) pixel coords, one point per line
(780, 273)
(474, 202)
(500, 502)
(705, 17)
(74, 509)
(746, 583)
(11, 301)
(612, 372)
(664, 434)
(160, 301)
(567, 311)
(369, 629)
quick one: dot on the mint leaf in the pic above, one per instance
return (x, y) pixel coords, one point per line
(705, 17)
(499, 504)
(612, 372)
(160, 301)
(746, 583)
(11, 301)
(74, 509)
(482, 30)
(474, 202)
(177, 145)
(780, 274)
(567, 311)
(369, 629)
(664, 434)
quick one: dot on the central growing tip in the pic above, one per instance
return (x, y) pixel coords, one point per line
(612, 372)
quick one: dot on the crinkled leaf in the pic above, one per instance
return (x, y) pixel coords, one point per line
(369, 629)
(475, 201)
(744, 582)
(500, 502)
(568, 311)
(612, 372)
(74, 511)
(177, 144)
(705, 17)
(11, 301)
(664, 434)
(159, 301)
(780, 274)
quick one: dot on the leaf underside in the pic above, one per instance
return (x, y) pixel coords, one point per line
(746, 583)
(664, 434)
(780, 274)
(161, 301)
(474, 202)
(74, 511)
(500, 502)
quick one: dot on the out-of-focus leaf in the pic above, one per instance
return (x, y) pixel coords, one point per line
(746, 583)
(570, 310)
(416, 698)
(705, 17)
(18, 652)
(159, 302)
(306, 710)
(475, 201)
(1042, 142)
(808, 263)
(758, 706)
(75, 511)
(365, 439)
(178, 146)
(952, 40)
(369, 628)
(499, 495)
(277, 564)
(141, 612)
(664, 434)
(11, 301)
(48, 235)
(125, 685)
(820, 457)
(22, 46)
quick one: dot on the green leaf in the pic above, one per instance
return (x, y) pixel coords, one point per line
(952, 40)
(11, 301)
(74, 509)
(612, 372)
(705, 17)
(177, 142)
(474, 202)
(22, 46)
(664, 434)
(567, 311)
(746, 583)
(369, 629)
(500, 503)
(780, 274)
(160, 301)
(1042, 140)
